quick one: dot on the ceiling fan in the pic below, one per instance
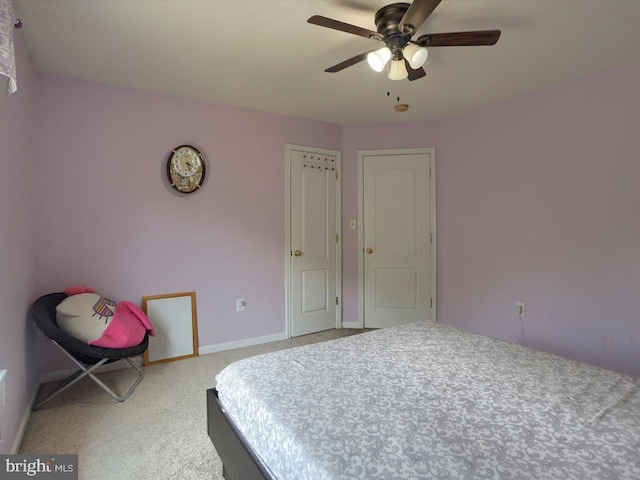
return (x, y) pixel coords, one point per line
(395, 25)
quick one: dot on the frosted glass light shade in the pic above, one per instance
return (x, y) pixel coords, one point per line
(398, 71)
(378, 59)
(415, 55)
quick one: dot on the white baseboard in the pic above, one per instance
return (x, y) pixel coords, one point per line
(248, 342)
(138, 361)
(62, 374)
(54, 377)
(17, 441)
(351, 325)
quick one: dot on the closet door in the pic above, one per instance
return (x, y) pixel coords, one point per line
(396, 239)
(313, 242)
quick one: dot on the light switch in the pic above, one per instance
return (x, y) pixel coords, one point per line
(352, 223)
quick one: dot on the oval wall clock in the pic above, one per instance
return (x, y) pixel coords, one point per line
(186, 169)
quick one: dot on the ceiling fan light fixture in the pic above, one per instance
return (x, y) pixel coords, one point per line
(415, 55)
(378, 59)
(398, 71)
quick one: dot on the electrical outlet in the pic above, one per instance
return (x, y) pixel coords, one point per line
(240, 304)
(520, 309)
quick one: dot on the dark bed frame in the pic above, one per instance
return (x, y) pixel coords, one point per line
(239, 461)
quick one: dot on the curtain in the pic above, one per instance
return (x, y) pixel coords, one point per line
(7, 53)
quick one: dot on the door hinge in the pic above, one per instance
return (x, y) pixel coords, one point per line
(431, 303)
(431, 237)
(337, 301)
(337, 238)
(336, 174)
(429, 172)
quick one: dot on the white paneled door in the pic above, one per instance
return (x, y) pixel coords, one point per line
(313, 242)
(396, 238)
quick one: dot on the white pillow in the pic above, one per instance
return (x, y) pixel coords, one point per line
(85, 315)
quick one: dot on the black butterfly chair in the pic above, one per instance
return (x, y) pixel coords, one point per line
(87, 357)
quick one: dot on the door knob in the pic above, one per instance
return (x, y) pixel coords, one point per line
(369, 250)
(297, 253)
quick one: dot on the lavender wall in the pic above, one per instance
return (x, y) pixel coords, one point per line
(541, 204)
(538, 201)
(17, 246)
(107, 217)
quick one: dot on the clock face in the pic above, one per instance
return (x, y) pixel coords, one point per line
(185, 169)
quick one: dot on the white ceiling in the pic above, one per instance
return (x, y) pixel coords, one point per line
(263, 54)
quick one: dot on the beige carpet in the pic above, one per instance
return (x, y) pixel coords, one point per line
(159, 433)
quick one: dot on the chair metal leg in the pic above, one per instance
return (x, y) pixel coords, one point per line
(83, 372)
(111, 392)
(70, 378)
(75, 378)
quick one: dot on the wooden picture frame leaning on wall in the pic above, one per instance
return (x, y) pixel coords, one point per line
(174, 319)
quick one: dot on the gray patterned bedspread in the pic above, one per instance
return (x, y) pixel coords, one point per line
(425, 401)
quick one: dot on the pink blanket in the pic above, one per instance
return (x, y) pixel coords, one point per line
(126, 329)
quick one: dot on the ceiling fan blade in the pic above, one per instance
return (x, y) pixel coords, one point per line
(459, 39)
(414, 74)
(343, 27)
(416, 14)
(348, 62)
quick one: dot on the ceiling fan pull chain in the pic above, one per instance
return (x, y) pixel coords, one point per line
(387, 75)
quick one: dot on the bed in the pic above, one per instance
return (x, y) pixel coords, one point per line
(423, 401)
